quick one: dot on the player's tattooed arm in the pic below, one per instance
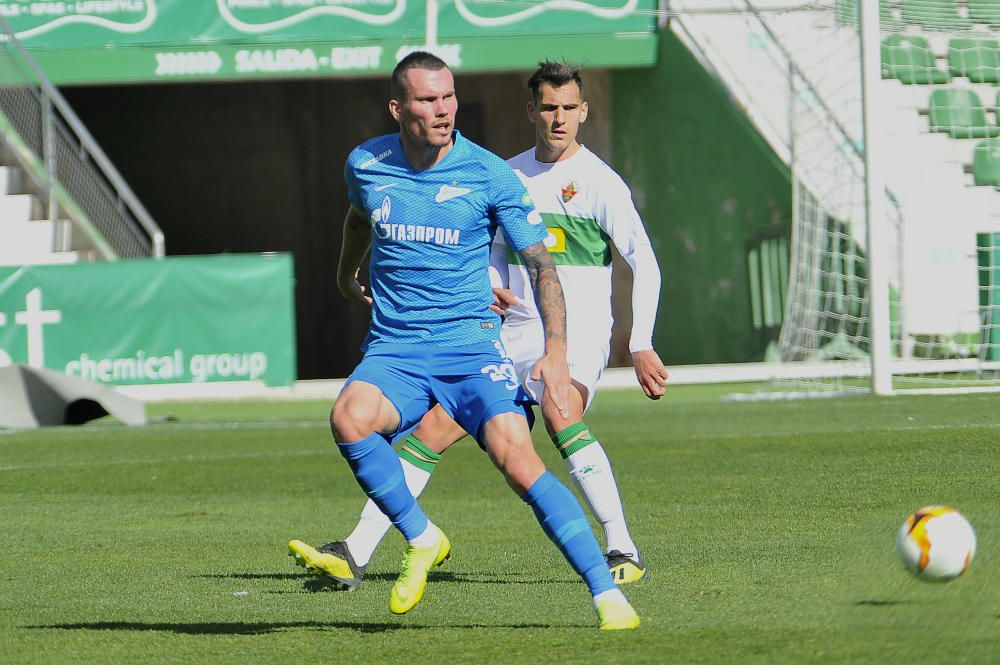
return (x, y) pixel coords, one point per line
(551, 368)
(548, 291)
(354, 246)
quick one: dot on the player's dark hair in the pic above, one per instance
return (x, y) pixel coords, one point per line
(556, 74)
(415, 60)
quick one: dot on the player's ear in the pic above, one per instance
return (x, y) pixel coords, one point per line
(394, 107)
(584, 110)
(532, 113)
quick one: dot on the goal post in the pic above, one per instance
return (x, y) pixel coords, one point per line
(878, 278)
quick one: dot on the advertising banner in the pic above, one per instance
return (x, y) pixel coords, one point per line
(146, 321)
(86, 41)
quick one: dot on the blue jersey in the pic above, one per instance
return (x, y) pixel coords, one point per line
(431, 235)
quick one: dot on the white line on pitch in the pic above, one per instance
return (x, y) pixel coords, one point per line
(170, 460)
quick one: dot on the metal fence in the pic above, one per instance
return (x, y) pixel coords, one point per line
(83, 192)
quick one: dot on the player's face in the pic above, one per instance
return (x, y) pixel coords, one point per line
(557, 115)
(427, 115)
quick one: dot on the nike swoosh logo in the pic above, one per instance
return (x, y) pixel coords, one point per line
(379, 188)
(448, 192)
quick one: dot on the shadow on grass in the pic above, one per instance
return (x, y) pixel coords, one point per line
(234, 628)
(321, 583)
(251, 576)
(879, 603)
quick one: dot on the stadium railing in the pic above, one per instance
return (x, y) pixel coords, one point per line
(86, 199)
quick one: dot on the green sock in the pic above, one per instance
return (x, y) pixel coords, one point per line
(571, 439)
(416, 453)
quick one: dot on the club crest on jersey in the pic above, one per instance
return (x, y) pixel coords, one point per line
(569, 191)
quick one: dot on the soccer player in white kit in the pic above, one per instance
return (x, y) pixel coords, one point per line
(586, 207)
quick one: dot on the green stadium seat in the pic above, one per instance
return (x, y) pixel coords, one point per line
(933, 14)
(959, 113)
(986, 164)
(985, 11)
(847, 11)
(910, 60)
(976, 59)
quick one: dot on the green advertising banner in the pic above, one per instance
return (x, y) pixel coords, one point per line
(146, 321)
(88, 41)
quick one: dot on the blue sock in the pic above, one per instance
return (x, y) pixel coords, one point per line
(564, 523)
(376, 468)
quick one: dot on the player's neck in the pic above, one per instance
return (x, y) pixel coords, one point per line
(549, 155)
(422, 156)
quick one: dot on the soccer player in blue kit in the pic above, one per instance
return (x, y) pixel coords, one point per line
(427, 203)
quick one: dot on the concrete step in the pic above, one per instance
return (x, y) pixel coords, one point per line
(25, 238)
(28, 259)
(19, 208)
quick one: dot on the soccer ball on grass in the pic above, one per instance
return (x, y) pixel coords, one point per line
(936, 543)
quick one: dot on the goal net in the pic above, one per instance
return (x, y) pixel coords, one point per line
(796, 67)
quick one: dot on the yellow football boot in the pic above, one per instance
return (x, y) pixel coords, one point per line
(615, 615)
(625, 568)
(333, 560)
(412, 580)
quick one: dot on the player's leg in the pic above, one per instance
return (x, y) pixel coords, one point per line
(380, 474)
(585, 458)
(591, 471)
(508, 441)
(361, 418)
(345, 561)
(478, 386)
(419, 454)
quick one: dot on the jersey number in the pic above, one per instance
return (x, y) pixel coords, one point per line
(502, 372)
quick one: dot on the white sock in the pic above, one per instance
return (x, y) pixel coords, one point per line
(612, 594)
(427, 537)
(591, 471)
(373, 524)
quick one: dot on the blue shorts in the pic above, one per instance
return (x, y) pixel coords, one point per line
(473, 383)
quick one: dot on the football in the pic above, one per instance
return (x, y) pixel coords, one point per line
(936, 543)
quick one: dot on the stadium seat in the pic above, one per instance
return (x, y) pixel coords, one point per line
(986, 164)
(985, 11)
(933, 14)
(976, 59)
(846, 12)
(910, 60)
(959, 113)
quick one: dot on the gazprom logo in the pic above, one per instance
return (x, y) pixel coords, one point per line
(380, 215)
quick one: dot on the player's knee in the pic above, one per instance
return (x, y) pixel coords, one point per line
(522, 470)
(353, 419)
(509, 444)
(556, 421)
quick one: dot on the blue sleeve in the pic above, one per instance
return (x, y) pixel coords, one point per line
(513, 209)
(353, 194)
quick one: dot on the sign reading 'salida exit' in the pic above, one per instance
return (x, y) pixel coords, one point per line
(86, 41)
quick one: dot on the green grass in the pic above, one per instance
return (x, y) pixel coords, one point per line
(768, 527)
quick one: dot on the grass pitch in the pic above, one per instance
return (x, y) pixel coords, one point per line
(768, 528)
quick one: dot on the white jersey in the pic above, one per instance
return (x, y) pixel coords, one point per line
(586, 207)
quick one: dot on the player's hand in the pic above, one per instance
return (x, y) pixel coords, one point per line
(355, 290)
(502, 299)
(651, 373)
(553, 371)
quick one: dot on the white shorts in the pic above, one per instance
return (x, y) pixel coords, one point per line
(587, 355)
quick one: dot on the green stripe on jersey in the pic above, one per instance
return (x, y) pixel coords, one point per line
(573, 241)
